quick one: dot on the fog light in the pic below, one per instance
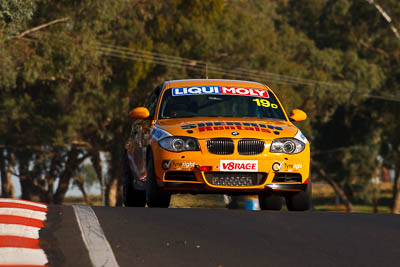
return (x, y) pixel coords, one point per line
(166, 164)
(205, 168)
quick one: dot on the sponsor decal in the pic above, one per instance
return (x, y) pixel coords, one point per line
(278, 166)
(238, 165)
(219, 90)
(244, 126)
(264, 103)
(293, 166)
(183, 165)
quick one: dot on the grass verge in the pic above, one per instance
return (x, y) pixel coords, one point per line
(324, 199)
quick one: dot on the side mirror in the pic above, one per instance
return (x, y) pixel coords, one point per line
(139, 113)
(298, 115)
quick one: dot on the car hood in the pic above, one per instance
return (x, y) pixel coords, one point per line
(205, 128)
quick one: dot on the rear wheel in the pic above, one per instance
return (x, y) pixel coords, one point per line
(131, 197)
(300, 201)
(154, 196)
(270, 201)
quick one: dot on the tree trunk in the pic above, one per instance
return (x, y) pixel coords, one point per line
(396, 193)
(65, 178)
(32, 187)
(7, 188)
(81, 185)
(24, 180)
(51, 176)
(336, 187)
(112, 193)
(386, 16)
(97, 165)
(114, 186)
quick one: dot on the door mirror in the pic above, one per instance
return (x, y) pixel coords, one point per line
(298, 115)
(139, 113)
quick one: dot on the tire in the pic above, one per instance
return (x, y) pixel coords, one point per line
(154, 197)
(131, 197)
(300, 201)
(270, 201)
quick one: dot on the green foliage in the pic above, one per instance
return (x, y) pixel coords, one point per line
(68, 87)
(14, 14)
(367, 54)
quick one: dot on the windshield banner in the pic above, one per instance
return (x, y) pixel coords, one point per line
(219, 90)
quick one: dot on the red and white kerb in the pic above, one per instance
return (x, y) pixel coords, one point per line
(20, 223)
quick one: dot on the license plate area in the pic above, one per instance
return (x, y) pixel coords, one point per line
(237, 179)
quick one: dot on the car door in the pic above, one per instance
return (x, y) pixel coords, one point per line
(140, 137)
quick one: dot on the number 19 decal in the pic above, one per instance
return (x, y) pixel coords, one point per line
(264, 103)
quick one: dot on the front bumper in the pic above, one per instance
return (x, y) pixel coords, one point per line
(201, 188)
(184, 172)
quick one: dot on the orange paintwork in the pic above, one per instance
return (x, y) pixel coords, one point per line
(219, 127)
(139, 113)
(298, 115)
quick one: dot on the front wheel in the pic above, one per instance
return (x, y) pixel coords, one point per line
(300, 201)
(269, 201)
(131, 197)
(154, 196)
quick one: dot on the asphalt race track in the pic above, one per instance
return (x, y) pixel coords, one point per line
(207, 237)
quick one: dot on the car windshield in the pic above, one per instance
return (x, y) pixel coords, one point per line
(219, 101)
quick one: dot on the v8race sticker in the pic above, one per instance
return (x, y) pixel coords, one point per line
(219, 90)
(238, 165)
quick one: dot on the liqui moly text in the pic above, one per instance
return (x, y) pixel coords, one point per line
(219, 90)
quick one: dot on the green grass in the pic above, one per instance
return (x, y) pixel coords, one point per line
(324, 199)
(94, 200)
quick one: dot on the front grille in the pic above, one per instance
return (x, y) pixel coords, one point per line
(180, 176)
(287, 177)
(221, 146)
(235, 178)
(250, 147)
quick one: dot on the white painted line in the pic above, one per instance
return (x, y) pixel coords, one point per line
(38, 215)
(22, 256)
(100, 251)
(22, 202)
(19, 230)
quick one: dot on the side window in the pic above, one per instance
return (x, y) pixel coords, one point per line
(151, 102)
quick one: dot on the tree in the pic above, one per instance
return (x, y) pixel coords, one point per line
(69, 76)
(357, 28)
(56, 73)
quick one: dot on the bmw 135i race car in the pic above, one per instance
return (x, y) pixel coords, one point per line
(216, 136)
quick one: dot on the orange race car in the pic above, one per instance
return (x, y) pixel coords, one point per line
(216, 136)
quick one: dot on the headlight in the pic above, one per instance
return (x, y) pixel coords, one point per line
(288, 146)
(179, 144)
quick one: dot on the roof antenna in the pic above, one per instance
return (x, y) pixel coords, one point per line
(206, 71)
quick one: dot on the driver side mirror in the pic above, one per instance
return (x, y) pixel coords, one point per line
(139, 113)
(298, 115)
